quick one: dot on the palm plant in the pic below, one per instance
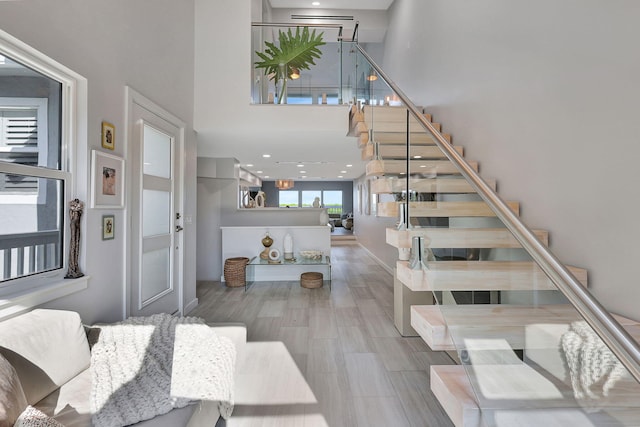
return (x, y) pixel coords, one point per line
(295, 51)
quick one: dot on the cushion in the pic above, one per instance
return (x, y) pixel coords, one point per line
(32, 417)
(46, 347)
(12, 399)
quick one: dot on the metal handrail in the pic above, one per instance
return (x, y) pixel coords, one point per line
(354, 37)
(610, 331)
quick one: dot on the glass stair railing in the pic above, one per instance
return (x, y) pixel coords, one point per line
(527, 336)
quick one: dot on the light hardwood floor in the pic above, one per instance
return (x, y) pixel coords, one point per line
(320, 358)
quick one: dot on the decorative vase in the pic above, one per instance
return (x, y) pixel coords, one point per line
(316, 202)
(288, 247)
(261, 199)
(267, 241)
(324, 217)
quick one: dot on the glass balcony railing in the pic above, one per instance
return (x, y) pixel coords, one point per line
(528, 336)
(329, 79)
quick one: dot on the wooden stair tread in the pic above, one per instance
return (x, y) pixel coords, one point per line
(391, 152)
(490, 321)
(387, 185)
(480, 275)
(427, 167)
(460, 237)
(388, 113)
(443, 209)
(452, 387)
(400, 138)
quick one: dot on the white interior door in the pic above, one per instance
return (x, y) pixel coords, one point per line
(156, 223)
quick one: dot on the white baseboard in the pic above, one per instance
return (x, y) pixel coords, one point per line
(378, 260)
(189, 307)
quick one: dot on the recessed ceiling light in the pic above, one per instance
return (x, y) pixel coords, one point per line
(340, 176)
(343, 171)
(249, 165)
(300, 165)
(266, 156)
(303, 171)
(403, 173)
(258, 171)
(266, 176)
(303, 176)
(423, 166)
(315, 3)
(417, 157)
(349, 166)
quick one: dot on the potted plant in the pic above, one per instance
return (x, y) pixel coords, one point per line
(295, 52)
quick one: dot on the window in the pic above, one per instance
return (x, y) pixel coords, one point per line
(332, 200)
(42, 106)
(308, 198)
(288, 199)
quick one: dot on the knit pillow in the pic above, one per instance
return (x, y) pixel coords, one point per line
(12, 399)
(32, 417)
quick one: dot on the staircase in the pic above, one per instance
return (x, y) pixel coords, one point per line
(526, 356)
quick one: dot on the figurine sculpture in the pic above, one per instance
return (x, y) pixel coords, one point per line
(75, 212)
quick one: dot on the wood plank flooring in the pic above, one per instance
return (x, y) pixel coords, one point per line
(320, 358)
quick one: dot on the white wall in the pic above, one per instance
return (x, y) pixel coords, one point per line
(147, 44)
(545, 95)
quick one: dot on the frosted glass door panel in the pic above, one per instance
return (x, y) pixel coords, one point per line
(155, 273)
(157, 153)
(156, 212)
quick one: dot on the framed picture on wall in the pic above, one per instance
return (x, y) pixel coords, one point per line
(108, 227)
(108, 135)
(107, 180)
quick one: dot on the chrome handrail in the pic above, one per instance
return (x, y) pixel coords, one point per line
(610, 331)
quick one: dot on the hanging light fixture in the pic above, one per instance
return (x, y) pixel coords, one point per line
(284, 184)
(295, 73)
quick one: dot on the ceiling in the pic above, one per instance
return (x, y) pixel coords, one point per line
(334, 4)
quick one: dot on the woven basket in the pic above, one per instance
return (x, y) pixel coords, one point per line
(311, 280)
(234, 271)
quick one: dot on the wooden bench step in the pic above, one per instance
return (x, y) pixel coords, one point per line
(480, 276)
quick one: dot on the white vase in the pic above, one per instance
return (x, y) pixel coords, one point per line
(324, 217)
(288, 246)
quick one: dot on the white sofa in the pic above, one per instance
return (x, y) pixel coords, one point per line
(50, 352)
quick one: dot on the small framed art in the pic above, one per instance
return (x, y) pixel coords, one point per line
(108, 135)
(108, 227)
(107, 180)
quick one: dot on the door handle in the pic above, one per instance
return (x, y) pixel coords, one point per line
(179, 228)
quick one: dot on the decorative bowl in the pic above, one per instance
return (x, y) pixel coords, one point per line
(311, 254)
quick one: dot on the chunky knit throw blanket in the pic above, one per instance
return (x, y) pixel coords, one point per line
(589, 361)
(147, 366)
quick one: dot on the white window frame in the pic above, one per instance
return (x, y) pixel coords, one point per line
(22, 294)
